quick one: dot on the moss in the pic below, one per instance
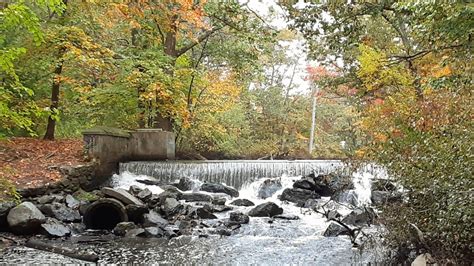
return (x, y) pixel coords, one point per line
(85, 196)
(109, 131)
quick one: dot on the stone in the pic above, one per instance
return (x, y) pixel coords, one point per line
(134, 190)
(72, 202)
(268, 188)
(333, 214)
(220, 188)
(77, 228)
(25, 218)
(136, 213)
(239, 218)
(219, 200)
(334, 230)
(154, 219)
(383, 197)
(195, 196)
(423, 260)
(171, 206)
(267, 209)
(217, 208)
(200, 213)
(305, 182)
(144, 195)
(122, 228)
(5, 207)
(360, 217)
(185, 183)
(135, 232)
(55, 228)
(61, 212)
(286, 217)
(311, 204)
(346, 197)
(121, 195)
(149, 182)
(383, 185)
(222, 232)
(45, 199)
(298, 195)
(242, 202)
(154, 232)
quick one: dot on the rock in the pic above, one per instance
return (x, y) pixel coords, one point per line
(134, 190)
(242, 202)
(222, 232)
(171, 206)
(360, 217)
(61, 212)
(333, 214)
(55, 228)
(45, 199)
(286, 217)
(267, 209)
(185, 227)
(5, 207)
(200, 213)
(383, 185)
(217, 208)
(144, 195)
(136, 213)
(72, 202)
(193, 197)
(219, 188)
(154, 232)
(268, 188)
(334, 230)
(305, 182)
(185, 183)
(77, 228)
(122, 228)
(311, 204)
(423, 260)
(219, 200)
(383, 197)
(346, 197)
(154, 219)
(239, 218)
(149, 182)
(25, 218)
(122, 195)
(135, 232)
(298, 195)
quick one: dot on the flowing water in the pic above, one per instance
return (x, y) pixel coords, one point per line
(258, 243)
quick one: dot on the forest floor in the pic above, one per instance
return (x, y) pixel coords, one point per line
(30, 162)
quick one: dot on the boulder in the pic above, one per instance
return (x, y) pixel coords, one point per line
(286, 217)
(346, 197)
(239, 218)
(219, 200)
(5, 207)
(185, 183)
(61, 212)
(144, 195)
(268, 188)
(195, 196)
(360, 217)
(267, 209)
(242, 202)
(149, 182)
(383, 197)
(45, 199)
(135, 232)
(122, 228)
(121, 195)
(333, 214)
(154, 219)
(72, 202)
(25, 218)
(311, 204)
(217, 208)
(171, 206)
(199, 213)
(335, 229)
(55, 228)
(135, 213)
(154, 232)
(298, 195)
(134, 190)
(219, 188)
(306, 182)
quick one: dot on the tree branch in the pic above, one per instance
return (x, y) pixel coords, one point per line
(198, 41)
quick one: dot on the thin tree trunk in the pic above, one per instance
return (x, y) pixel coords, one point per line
(313, 121)
(51, 127)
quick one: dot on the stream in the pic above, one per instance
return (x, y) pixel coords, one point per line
(263, 241)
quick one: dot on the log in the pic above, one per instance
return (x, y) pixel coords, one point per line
(36, 244)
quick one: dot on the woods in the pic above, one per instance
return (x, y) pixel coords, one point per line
(386, 82)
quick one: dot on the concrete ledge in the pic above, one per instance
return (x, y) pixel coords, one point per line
(109, 146)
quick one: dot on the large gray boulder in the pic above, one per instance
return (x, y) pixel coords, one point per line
(242, 202)
(360, 217)
(122, 195)
(154, 219)
(25, 218)
(334, 230)
(219, 188)
(193, 197)
(268, 188)
(122, 228)
(298, 195)
(267, 209)
(238, 218)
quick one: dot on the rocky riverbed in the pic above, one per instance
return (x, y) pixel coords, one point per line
(315, 218)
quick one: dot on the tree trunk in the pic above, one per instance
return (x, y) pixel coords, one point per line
(51, 127)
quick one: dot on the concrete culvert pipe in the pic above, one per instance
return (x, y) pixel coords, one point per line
(105, 214)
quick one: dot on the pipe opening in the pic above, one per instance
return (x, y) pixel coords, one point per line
(105, 214)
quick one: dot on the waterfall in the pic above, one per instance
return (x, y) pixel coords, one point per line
(234, 173)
